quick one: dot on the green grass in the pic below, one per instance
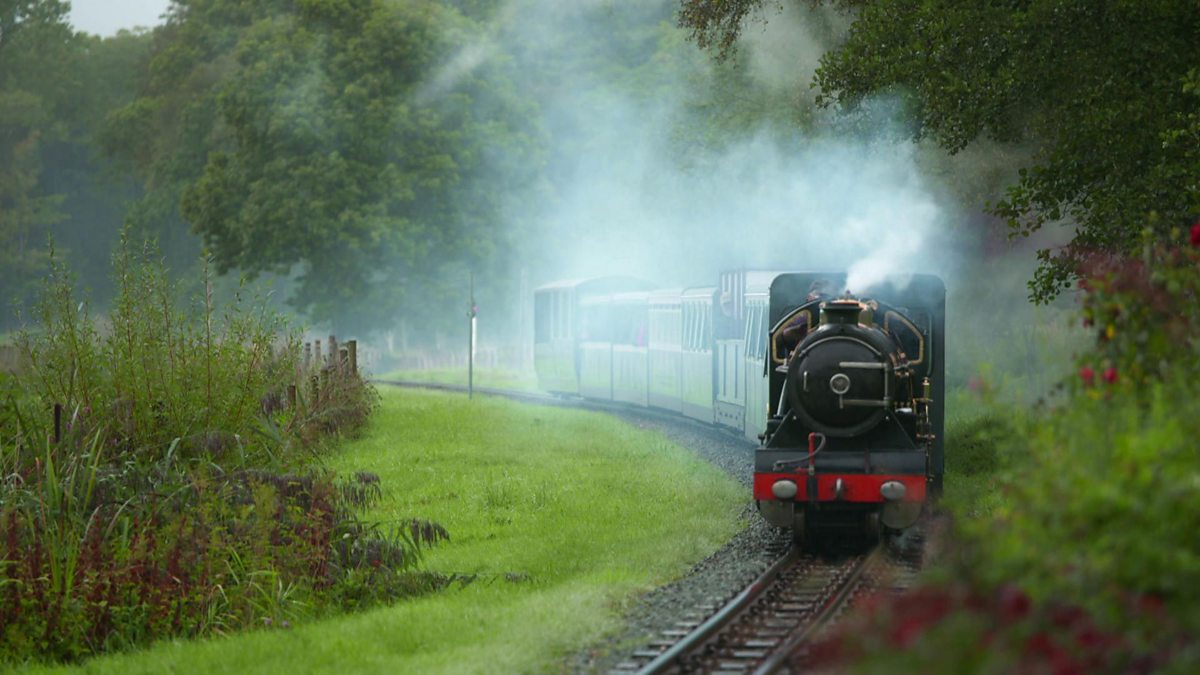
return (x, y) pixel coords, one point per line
(495, 378)
(562, 516)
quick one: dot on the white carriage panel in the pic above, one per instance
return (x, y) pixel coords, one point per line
(629, 374)
(595, 370)
(666, 379)
(730, 367)
(697, 372)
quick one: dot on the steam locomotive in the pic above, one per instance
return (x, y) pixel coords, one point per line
(842, 392)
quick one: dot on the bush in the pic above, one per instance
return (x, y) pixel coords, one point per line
(172, 498)
(192, 382)
(1105, 504)
(976, 443)
(1143, 312)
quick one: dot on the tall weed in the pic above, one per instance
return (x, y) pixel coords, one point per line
(171, 498)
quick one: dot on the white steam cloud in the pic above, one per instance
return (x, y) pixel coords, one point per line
(634, 193)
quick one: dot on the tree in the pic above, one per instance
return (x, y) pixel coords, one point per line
(1105, 92)
(37, 49)
(95, 196)
(334, 140)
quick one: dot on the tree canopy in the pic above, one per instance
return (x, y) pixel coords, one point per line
(332, 139)
(1106, 93)
(37, 50)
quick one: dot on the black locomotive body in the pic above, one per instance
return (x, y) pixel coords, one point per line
(855, 439)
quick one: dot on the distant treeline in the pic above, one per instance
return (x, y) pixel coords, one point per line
(370, 153)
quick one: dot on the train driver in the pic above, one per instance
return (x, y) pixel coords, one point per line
(794, 332)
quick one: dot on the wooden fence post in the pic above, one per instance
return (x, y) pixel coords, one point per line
(352, 346)
(291, 394)
(333, 351)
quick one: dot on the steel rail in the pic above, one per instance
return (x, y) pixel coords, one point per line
(668, 660)
(783, 652)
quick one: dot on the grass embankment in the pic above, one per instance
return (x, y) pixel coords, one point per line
(556, 516)
(493, 378)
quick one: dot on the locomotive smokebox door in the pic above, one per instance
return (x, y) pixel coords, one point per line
(842, 379)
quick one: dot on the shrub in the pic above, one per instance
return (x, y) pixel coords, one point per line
(1143, 312)
(172, 498)
(159, 379)
(975, 444)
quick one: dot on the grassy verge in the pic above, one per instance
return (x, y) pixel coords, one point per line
(495, 378)
(557, 517)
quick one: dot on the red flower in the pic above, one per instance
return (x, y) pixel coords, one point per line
(1014, 604)
(1087, 375)
(1110, 375)
(1196, 234)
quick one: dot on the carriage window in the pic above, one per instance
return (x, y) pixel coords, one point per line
(541, 318)
(754, 341)
(555, 314)
(752, 329)
(763, 338)
(564, 316)
(691, 327)
(629, 325)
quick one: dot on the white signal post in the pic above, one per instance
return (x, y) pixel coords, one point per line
(471, 313)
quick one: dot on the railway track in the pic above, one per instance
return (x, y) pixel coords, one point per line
(766, 627)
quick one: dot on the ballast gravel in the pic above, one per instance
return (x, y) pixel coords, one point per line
(711, 582)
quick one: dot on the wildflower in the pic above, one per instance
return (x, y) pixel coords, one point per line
(1014, 603)
(1196, 234)
(1110, 375)
(1087, 375)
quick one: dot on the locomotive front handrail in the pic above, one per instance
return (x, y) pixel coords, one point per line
(866, 365)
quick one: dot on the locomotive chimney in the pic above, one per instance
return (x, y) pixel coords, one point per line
(840, 311)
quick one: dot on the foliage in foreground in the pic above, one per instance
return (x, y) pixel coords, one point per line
(1088, 562)
(173, 496)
